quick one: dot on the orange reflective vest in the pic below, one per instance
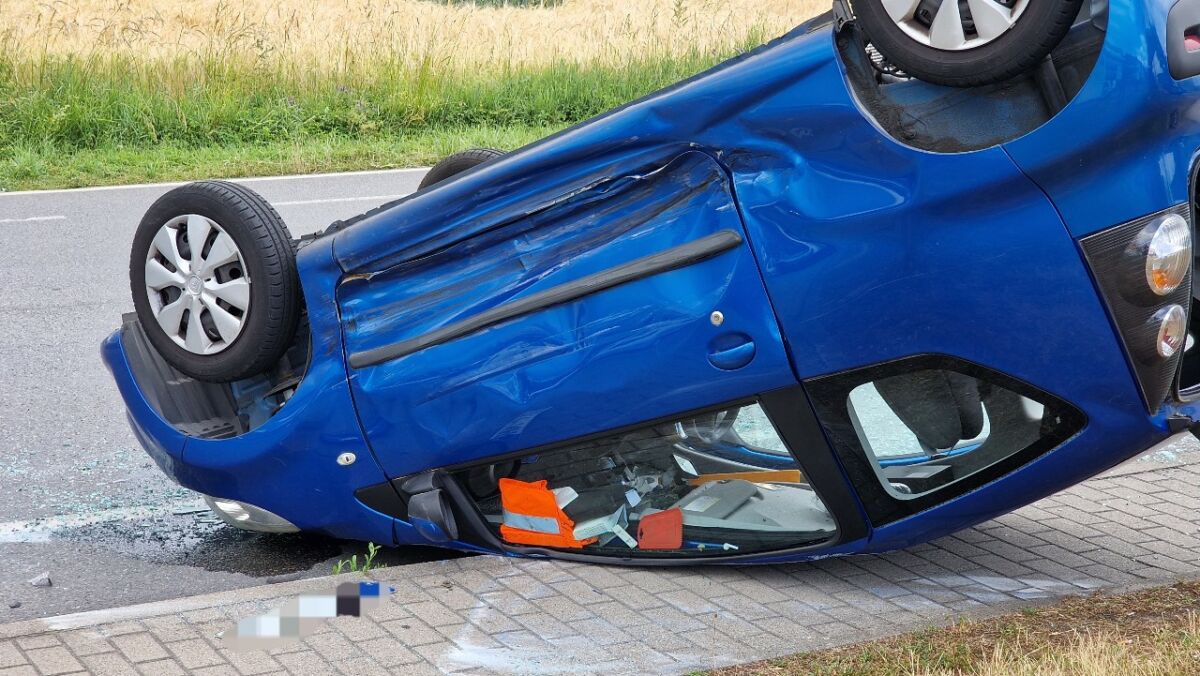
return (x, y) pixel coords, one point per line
(533, 517)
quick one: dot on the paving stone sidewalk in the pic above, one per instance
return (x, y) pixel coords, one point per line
(1134, 526)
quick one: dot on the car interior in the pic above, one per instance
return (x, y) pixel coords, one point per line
(717, 483)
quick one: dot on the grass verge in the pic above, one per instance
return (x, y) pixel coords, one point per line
(95, 92)
(46, 166)
(98, 92)
(1156, 631)
(69, 123)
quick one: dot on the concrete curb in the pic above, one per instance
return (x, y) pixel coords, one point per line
(278, 590)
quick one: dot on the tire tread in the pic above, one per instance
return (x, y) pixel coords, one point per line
(457, 163)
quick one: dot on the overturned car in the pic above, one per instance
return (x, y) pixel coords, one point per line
(799, 305)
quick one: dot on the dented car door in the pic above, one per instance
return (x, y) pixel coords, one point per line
(532, 327)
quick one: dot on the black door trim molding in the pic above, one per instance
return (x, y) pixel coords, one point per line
(664, 261)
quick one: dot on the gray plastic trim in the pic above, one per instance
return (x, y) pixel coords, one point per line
(1184, 17)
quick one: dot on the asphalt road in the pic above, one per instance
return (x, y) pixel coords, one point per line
(78, 497)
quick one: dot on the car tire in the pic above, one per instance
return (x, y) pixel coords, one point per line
(233, 313)
(458, 163)
(1034, 28)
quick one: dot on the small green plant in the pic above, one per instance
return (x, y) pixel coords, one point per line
(351, 565)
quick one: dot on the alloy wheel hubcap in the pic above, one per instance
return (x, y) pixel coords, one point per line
(955, 25)
(197, 284)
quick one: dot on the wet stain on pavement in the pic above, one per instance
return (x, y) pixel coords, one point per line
(189, 536)
(201, 540)
(205, 542)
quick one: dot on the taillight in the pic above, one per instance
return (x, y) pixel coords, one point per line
(1144, 271)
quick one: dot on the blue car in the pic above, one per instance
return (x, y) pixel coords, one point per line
(800, 305)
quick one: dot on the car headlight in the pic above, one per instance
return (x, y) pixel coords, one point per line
(1172, 330)
(1143, 268)
(1168, 253)
(246, 516)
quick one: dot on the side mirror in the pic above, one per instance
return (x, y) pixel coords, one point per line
(429, 513)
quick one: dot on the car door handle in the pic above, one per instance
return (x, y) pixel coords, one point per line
(731, 351)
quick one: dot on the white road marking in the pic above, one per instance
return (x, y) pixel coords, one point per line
(252, 179)
(372, 198)
(92, 618)
(33, 219)
(41, 530)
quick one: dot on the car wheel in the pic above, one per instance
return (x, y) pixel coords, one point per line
(458, 163)
(964, 43)
(213, 275)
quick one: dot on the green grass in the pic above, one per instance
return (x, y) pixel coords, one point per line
(1153, 631)
(68, 122)
(46, 166)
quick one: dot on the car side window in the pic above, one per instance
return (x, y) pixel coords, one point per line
(920, 431)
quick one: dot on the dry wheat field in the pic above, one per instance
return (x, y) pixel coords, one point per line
(106, 91)
(339, 33)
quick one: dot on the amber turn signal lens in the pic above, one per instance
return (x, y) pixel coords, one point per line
(1169, 254)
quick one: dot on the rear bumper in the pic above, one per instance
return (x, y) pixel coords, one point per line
(161, 441)
(287, 466)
